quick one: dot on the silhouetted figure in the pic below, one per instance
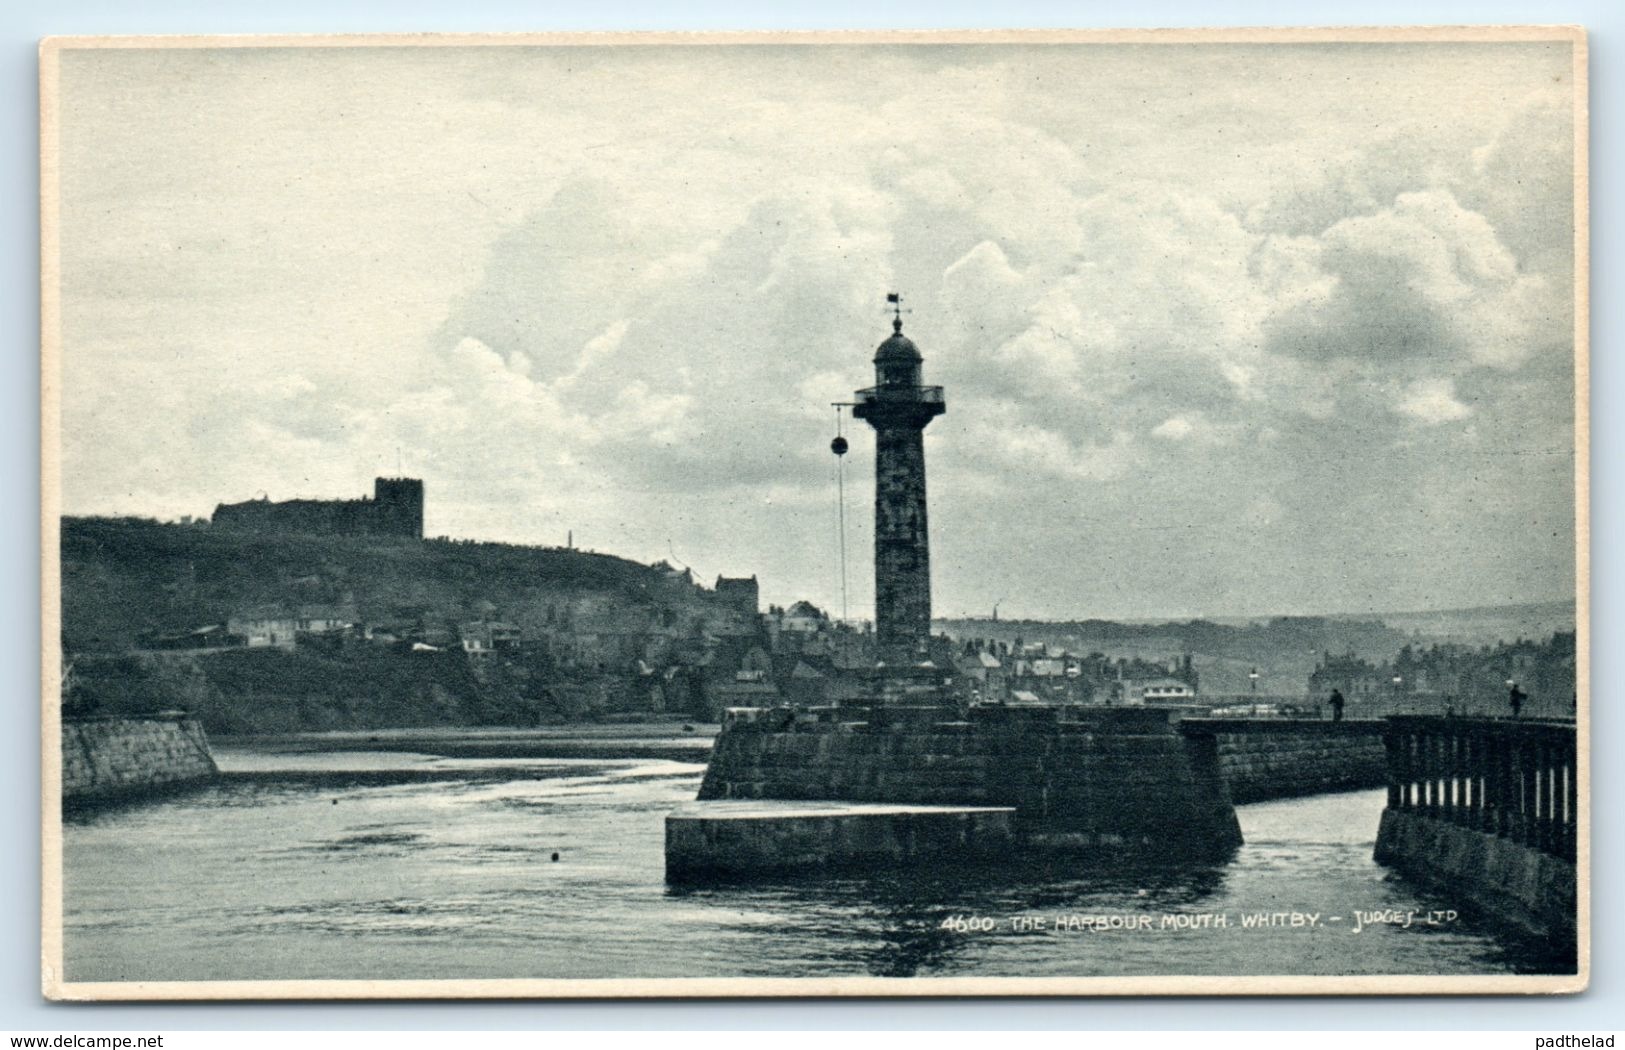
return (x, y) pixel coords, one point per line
(1337, 703)
(1515, 699)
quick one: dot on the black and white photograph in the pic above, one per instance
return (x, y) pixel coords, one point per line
(907, 513)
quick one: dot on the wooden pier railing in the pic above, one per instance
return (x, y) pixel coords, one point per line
(1509, 778)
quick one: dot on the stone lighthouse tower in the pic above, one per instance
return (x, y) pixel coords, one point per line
(899, 408)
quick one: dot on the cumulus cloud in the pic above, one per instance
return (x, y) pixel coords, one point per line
(1423, 279)
(1521, 179)
(1174, 428)
(1184, 428)
(1433, 401)
(589, 311)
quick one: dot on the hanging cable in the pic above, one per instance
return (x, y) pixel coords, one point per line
(839, 447)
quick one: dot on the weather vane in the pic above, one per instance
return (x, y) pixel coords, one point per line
(895, 301)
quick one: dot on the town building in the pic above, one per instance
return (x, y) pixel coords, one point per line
(1461, 679)
(741, 593)
(1163, 690)
(280, 626)
(487, 639)
(270, 626)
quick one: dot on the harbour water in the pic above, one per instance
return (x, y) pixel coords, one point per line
(339, 863)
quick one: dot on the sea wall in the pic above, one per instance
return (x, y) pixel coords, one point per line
(1489, 810)
(1263, 759)
(114, 757)
(711, 840)
(1527, 887)
(1086, 778)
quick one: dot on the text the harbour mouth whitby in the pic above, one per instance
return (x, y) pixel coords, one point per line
(1357, 921)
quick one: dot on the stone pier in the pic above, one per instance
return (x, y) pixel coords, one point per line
(1096, 780)
(1489, 809)
(709, 840)
(1270, 758)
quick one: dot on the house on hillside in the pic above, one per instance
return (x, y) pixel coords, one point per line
(737, 672)
(265, 626)
(278, 626)
(803, 617)
(325, 619)
(481, 639)
(741, 593)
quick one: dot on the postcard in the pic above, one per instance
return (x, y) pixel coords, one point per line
(815, 514)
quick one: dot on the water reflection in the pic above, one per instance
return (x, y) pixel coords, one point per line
(905, 910)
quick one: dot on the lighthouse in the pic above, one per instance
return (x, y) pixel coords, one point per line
(899, 408)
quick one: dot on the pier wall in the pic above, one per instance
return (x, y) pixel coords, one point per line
(1086, 778)
(113, 757)
(748, 839)
(1489, 809)
(1262, 759)
(1525, 887)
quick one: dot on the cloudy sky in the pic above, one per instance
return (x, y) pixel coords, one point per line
(1224, 329)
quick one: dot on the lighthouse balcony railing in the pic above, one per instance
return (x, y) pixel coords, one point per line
(930, 395)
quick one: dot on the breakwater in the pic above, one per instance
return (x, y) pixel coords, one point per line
(721, 840)
(106, 758)
(1089, 778)
(1490, 808)
(1262, 759)
(1083, 778)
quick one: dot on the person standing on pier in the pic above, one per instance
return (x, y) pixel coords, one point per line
(1337, 703)
(1515, 698)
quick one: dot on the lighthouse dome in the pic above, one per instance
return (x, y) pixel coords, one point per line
(898, 347)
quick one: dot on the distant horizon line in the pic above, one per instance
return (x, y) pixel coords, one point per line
(1221, 618)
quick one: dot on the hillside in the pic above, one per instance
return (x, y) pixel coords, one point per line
(1485, 625)
(583, 623)
(122, 577)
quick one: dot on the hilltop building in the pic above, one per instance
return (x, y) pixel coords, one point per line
(394, 509)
